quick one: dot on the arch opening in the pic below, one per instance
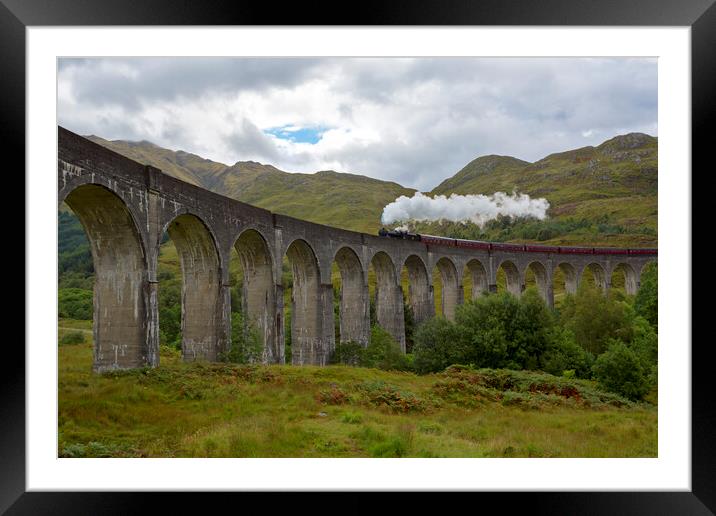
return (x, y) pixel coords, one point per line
(594, 274)
(564, 282)
(388, 298)
(305, 315)
(449, 295)
(475, 279)
(508, 278)
(623, 279)
(536, 273)
(203, 335)
(351, 291)
(417, 289)
(120, 291)
(253, 299)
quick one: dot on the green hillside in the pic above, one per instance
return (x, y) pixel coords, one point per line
(348, 201)
(604, 195)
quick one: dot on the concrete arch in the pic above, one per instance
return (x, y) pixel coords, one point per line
(122, 334)
(388, 297)
(512, 277)
(307, 346)
(631, 280)
(478, 277)
(355, 302)
(598, 273)
(570, 277)
(259, 292)
(419, 294)
(205, 318)
(450, 297)
(543, 281)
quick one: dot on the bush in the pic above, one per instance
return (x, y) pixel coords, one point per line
(436, 346)
(502, 331)
(246, 342)
(75, 303)
(348, 353)
(564, 354)
(383, 352)
(73, 337)
(646, 302)
(594, 318)
(621, 370)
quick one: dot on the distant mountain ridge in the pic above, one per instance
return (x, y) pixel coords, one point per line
(616, 180)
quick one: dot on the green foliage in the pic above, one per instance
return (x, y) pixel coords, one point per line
(646, 302)
(348, 353)
(594, 318)
(169, 299)
(72, 337)
(75, 303)
(437, 345)
(622, 370)
(246, 341)
(383, 352)
(564, 356)
(502, 331)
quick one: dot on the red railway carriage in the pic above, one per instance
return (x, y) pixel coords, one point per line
(576, 250)
(433, 240)
(541, 249)
(610, 250)
(507, 247)
(647, 251)
(472, 244)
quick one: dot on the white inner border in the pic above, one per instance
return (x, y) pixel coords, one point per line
(670, 471)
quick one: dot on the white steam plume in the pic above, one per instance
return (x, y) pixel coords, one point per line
(462, 208)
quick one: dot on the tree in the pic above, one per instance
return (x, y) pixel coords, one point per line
(621, 370)
(594, 318)
(646, 302)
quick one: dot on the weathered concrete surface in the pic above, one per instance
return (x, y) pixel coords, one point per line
(125, 207)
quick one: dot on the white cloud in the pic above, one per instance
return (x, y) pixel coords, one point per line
(414, 121)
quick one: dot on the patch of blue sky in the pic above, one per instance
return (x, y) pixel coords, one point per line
(298, 134)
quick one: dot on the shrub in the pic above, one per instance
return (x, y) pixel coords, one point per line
(622, 370)
(73, 337)
(594, 318)
(75, 303)
(383, 351)
(348, 353)
(646, 302)
(246, 341)
(436, 346)
(564, 354)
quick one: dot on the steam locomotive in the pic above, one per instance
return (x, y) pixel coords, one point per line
(498, 246)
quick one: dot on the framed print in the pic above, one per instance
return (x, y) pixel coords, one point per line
(638, 73)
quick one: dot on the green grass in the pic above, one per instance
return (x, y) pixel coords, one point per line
(222, 410)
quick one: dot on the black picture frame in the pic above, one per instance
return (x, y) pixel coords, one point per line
(17, 15)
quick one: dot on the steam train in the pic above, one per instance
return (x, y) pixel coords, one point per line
(499, 246)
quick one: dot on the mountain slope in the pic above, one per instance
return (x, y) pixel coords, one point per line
(348, 201)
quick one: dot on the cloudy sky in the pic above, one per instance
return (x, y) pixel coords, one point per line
(413, 121)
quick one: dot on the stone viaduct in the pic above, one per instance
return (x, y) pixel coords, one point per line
(126, 207)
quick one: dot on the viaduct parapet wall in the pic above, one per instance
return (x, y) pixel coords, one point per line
(126, 207)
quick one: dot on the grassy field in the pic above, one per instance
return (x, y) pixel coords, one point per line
(227, 410)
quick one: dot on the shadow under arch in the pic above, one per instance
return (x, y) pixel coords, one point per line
(354, 307)
(630, 278)
(513, 282)
(477, 275)
(121, 326)
(541, 280)
(388, 298)
(203, 319)
(418, 293)
(450, 296)
(599, 275)
(258, 293)
(306, 317)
